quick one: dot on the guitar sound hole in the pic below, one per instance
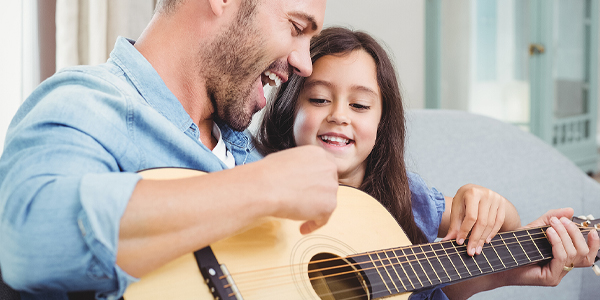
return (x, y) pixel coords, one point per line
(334, 278)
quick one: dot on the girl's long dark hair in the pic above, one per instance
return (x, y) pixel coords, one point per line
(385, 177)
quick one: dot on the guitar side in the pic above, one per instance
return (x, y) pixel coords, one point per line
(269, 260)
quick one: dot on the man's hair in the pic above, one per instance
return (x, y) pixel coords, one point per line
(166, 6)
(385, 176)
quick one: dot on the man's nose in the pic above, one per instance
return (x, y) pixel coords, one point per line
(300, 60)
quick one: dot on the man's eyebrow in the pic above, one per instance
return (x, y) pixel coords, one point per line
(307, 17)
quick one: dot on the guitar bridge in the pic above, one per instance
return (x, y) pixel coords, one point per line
(217, 277)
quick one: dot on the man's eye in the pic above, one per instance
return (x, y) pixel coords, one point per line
(297, 29)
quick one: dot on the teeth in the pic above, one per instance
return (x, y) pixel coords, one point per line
(335, 139)
(274, 80)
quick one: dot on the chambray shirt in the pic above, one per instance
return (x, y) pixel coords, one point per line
(428, 207)
(68, 170)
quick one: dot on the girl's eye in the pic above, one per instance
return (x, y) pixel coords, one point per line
(317, 101)
(360, 106)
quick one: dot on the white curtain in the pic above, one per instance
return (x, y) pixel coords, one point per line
(86, 30)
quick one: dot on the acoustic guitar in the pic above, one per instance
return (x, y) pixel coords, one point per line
(342, 260)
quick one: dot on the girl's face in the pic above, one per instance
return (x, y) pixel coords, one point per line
(339, 109)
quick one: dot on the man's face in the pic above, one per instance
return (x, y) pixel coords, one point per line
(267, 41)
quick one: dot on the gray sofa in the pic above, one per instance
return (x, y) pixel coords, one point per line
(452, 148)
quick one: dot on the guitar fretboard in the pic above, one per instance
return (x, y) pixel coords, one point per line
(405, 269)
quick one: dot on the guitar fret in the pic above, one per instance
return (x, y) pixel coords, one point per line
(547, 247)
(509, 251)
(435, 259)
(394, 268)
(378, 272)
(482, 263)
(420, 257)
(486, 259)
(402, 262)
(497, 254)
(385, 267)
(476, 264)
(410, 259)
(446, 262)
(459, 263)
(535, 244)
(461, 258)
(520, 245)
(471, 263)
(538, 241)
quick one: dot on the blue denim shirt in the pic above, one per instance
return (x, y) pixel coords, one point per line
(428, 206)
(68, 170)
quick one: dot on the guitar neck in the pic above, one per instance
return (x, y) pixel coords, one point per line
(405, 269)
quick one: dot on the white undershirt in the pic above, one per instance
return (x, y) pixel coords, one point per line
(220, 150)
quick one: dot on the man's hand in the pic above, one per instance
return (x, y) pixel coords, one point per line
(569, 248)
(302, 184)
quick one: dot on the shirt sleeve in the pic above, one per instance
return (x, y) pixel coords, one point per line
(428, 207)
(62, 192)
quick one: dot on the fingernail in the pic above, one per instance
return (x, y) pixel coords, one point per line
(554, 220)
(565, 221)
(460, 241)
(479, 250)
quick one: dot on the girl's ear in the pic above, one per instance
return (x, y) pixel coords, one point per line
(218, 6)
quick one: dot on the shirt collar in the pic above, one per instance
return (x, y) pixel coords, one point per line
(148, 83)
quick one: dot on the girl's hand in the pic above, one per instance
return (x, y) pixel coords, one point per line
(477, 210)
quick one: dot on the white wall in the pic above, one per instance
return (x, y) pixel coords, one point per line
(598, 119)
(398, 23)
(11, 73)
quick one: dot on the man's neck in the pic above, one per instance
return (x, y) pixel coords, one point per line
(176, 62)
(206, 136)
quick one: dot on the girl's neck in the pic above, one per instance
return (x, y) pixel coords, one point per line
(354, 180)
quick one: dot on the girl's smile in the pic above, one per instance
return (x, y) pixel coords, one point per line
(339, 109)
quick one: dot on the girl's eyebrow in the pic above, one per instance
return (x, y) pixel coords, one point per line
(361, 88)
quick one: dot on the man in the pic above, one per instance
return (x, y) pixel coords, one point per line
(76, 216)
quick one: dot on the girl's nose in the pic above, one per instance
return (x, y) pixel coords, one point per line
(339, 115)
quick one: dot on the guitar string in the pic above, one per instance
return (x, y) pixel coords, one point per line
(333, 293)
(489, 245)
(381, 284)
(253, 273)
(458, 272)
(406, 262)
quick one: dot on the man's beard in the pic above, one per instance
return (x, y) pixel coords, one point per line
(232, 64)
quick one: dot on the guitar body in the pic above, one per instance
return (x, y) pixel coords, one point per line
(270, 259)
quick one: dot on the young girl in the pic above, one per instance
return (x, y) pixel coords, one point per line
(351, 106)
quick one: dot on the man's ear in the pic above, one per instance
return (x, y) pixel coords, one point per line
(218, 6)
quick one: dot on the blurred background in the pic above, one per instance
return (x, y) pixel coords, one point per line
(532, 63)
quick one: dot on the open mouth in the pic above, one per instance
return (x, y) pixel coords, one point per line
(335, 140)
(271, 78)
